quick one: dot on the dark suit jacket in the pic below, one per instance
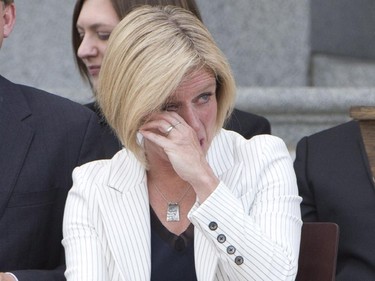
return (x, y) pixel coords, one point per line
(244, 123)
(247, 124)
(336, 184)
(42, 138)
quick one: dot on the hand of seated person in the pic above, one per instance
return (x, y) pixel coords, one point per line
(6, 277)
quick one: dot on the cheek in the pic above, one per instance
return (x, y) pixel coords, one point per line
(210, 116)
(102, 48)
(213, 115)
(213, 110)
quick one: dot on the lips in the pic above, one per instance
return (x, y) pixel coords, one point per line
(94, 70)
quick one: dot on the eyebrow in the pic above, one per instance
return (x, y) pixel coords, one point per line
(95, 26)
(203, 90)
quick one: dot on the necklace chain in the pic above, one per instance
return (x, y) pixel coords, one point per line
(173, 208)
(168, 201)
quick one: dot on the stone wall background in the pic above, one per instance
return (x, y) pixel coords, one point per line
(300, 63)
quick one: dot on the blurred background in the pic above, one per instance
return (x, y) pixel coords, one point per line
(299, 63)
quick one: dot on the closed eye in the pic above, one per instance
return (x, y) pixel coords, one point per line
(104, 36)
(81, 33)
(170, 107)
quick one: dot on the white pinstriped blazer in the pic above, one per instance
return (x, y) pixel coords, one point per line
(256, 207)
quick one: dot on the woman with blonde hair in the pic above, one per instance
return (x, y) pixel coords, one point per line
(185, 200)
(93, 22)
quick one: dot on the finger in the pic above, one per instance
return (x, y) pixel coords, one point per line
(159, 140)
(169, 116)
(160, 126)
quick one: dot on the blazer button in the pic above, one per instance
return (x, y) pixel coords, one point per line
(213, 225)
(221, 238)
(231, 250)
(238, 260)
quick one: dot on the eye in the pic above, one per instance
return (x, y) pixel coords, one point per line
(204, 98)
(81, 35)
(104, 36)
(170, 107)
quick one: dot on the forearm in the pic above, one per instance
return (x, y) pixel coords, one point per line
(268, 245)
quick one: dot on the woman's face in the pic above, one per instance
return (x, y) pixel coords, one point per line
(95, 23)
(191, 111)
(195, 101)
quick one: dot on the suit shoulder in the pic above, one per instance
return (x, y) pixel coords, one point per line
(43, 102)
(248, 124)
(336, 133)
(249, 117)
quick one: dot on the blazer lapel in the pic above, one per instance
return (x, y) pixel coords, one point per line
(15, 138)
(125, 208)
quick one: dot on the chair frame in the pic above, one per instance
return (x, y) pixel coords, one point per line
(318, 251)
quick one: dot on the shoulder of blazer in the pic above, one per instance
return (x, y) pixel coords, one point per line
(89, 176)
(228, 148)
(121, 172)
(337, 133)
(24, 100)
(339, 138)
(12, 100)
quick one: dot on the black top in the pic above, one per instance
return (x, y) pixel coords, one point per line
(172, 256)
(111, 144)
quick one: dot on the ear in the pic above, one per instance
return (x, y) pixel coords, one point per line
(9, 18)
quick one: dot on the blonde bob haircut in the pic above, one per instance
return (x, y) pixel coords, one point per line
(149, 53)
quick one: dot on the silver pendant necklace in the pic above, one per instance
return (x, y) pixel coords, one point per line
(173, 208)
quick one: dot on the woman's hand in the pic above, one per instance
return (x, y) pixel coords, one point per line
(6, 277)
(169, 138)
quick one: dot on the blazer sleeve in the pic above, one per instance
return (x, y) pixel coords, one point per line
(308, 206)
(79, 232)
(259, 218)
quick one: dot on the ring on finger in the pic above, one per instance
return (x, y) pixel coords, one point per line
(170, 128)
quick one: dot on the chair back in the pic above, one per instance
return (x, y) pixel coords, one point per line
(318, 251)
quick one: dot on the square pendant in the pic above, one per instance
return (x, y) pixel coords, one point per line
(173, 212)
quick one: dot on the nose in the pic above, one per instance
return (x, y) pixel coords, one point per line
(191, 117)
(87, 48)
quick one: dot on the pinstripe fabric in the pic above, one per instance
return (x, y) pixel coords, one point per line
(256, 207)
